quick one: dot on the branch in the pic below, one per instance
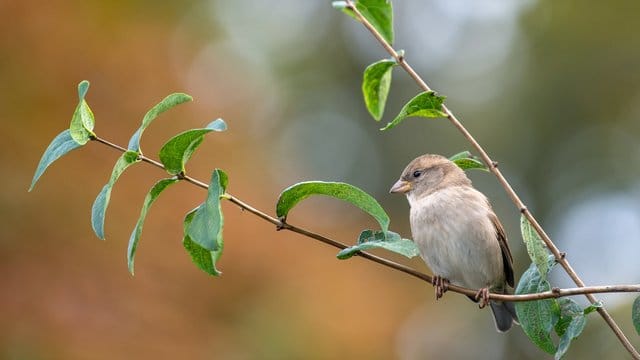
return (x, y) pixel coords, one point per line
(281, 225)
(493, 167)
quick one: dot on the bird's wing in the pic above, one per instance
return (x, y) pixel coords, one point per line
(507, 258)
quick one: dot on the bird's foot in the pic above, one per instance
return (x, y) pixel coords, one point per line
(441, 285)
(482, 296)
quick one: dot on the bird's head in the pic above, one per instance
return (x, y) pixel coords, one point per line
(429, 173)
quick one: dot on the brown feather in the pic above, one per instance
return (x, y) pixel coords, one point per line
(507, 258)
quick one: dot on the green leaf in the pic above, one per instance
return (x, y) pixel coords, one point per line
(461, 155)
(371, 239)
(164, 105)
(535, 247)
(375, 86)
(591, 308)
(471, 164)
(466, 161)
(378, 12)
(537, 318)
(206, 260)
(175, 153)
(380, 15)
(574, 329)
(635, 314)
(206, 227)
(102, 200)
(152, 195)
(59, 146)
(572, 322)
(82, 121)
(426, 104)
(342, 191)
(567, 310)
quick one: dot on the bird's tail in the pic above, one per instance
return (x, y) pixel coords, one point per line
(504, 315)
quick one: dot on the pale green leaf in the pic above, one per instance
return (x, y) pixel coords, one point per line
(206, 227)
(574, 329)
(567, 310)
(372, 239)
(59, 146)
(99, 207)
(535, 247)
(206, 260)
(164, 105)
(572, 322)
(152, 195)
(82, 121)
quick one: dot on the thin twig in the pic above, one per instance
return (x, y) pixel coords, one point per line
(400, 59)
(280, 225)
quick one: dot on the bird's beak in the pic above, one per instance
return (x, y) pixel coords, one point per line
(401, 187)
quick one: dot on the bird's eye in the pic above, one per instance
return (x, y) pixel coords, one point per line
(417, 173)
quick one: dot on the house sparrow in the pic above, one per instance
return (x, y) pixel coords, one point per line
(458, 234)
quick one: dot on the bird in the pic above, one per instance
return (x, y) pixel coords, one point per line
(458, 234)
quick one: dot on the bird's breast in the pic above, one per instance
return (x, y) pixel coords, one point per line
(456, 238)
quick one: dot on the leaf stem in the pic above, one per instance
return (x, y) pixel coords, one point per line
(560, 257)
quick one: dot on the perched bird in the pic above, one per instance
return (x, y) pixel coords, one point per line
(458, 234)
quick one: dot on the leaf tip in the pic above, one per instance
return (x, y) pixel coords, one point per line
(100, 234)
(339, 5)
(130, 260)
(98, 211)
(344, 254)
(217, 125)
(185, 98)
(83, 87)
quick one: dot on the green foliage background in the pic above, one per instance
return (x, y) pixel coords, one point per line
(562, 122)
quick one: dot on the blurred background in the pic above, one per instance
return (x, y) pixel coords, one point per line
(550, 88)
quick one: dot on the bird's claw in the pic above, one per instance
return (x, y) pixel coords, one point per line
(482, 296)
(441, 285)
